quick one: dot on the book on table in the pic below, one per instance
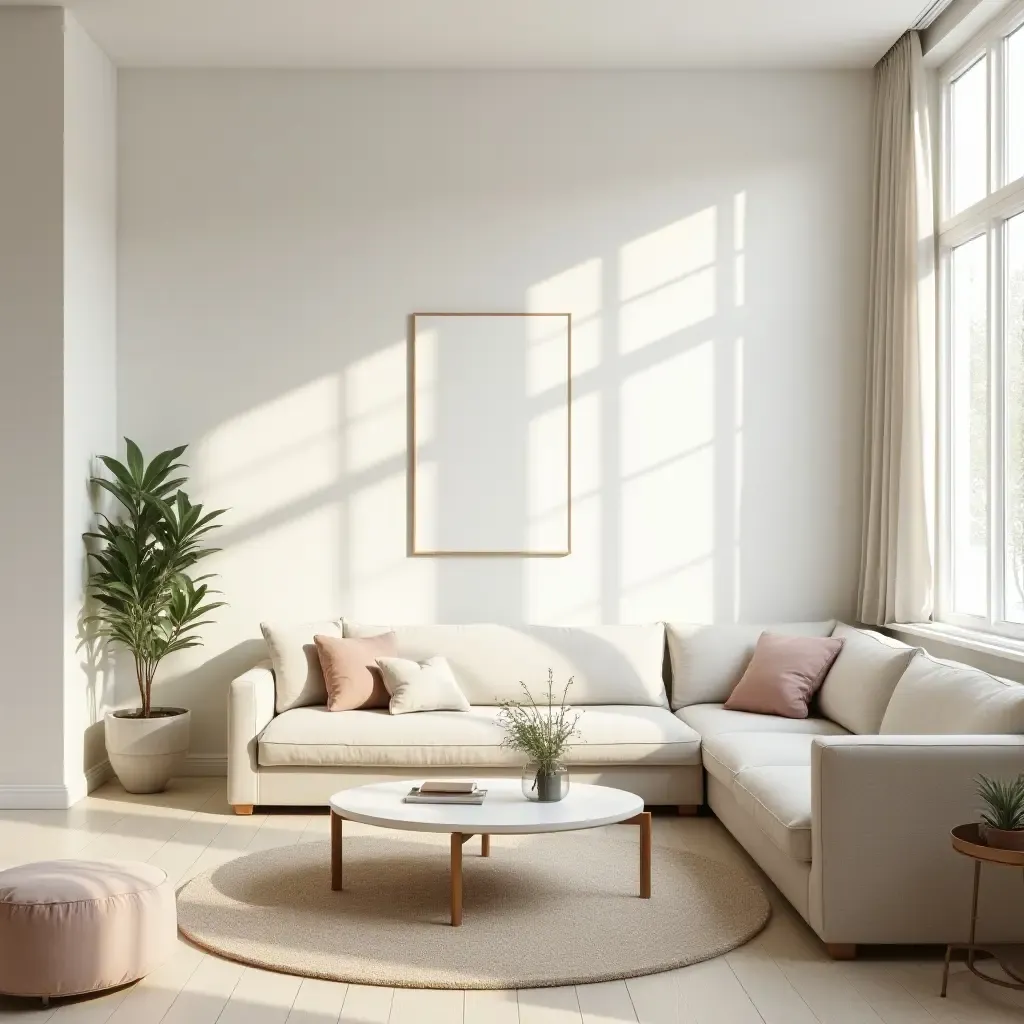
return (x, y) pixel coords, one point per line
(448, 786)
(435, 792)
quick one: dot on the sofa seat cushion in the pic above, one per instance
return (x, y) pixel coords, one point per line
(713, 719)
(609, 665)
(778, 799)
(314, 736)
(729, 754)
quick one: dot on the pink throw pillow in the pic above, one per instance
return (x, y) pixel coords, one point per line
(784, 674)
(354, 681)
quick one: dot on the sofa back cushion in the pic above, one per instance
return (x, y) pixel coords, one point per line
(298, 677)
(859, 685)
(936, 697)
(708, 661)
(608, 664)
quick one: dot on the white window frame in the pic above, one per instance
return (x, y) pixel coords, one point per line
(987, 218)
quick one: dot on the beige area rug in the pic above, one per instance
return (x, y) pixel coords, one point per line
(556, 909)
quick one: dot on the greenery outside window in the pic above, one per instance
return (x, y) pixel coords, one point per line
(980, 581)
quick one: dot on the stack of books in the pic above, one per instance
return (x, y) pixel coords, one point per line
(446, 791)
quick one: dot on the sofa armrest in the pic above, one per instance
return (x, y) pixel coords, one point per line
(883, 868)
(250, 710)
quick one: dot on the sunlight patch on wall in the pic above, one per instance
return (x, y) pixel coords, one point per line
(737, 525)
(381, 577)
(375, 408)
(668, 542)
(568, 590)
(547, 478)
(667, 280)
(668, 409)
(577, 291)
(739, 238)
(674, 251)
(273, 455)
(668, 487)
(289, 570)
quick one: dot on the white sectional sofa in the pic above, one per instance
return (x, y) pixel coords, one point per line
(847, 811)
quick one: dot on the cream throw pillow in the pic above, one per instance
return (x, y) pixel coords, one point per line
(298, 678)
(421, 685)
(939, 698)
(859, 686)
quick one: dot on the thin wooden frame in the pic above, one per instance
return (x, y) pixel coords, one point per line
(413, 550)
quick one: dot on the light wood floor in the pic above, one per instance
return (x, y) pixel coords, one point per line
(782, 977)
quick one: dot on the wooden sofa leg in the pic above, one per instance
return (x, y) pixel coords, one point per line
(243, 808)
(841, 950)
(687, 810)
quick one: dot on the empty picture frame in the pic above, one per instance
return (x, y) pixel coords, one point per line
(490, 434)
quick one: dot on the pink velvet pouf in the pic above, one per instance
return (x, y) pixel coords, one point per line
(68, 927)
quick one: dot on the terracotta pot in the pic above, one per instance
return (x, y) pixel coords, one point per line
(146, 752)
(1002, 839)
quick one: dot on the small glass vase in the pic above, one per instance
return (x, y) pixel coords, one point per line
(547, 784)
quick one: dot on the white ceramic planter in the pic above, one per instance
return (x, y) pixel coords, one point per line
(146, 752)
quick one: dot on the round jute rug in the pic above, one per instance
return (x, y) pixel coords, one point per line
(556, 909)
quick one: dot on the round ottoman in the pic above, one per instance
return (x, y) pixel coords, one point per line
(72, 926)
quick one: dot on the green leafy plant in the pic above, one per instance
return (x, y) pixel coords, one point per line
(140, 579)
(1004, 802)
(541, 731)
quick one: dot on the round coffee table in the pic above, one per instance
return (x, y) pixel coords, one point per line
(505, 811)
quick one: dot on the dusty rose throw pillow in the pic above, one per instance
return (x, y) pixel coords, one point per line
(784, 674)
(350, 670)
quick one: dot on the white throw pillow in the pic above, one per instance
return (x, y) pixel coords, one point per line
(943, 698)
(298, 678)
(708, 661)
(421, 686)
(860, 684)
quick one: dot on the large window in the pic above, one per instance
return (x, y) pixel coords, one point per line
(981, 522)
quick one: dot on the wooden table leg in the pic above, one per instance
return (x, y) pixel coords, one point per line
(645, 855)
(336, 822)
(457, 842)
(974, 912)
(485, 845)
(643, 819)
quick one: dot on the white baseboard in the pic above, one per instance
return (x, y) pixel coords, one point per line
(55, 797)
(45, 798)
(24, 798)
(97, 775)
(214, 765)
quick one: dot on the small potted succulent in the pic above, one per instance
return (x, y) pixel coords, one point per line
(542, 732)
(1002, 820)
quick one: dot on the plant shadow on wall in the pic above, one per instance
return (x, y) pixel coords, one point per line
(148, 602)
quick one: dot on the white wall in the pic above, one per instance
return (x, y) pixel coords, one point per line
(90, 372)
(708, 232)
(31, 397)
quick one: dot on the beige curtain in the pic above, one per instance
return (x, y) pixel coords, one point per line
(897, 550)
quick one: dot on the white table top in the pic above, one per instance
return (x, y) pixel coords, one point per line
(504, 811)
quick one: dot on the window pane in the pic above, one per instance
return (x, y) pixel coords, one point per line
(1015, 104)
(969, 434)
(1015, 419)
(968, 145)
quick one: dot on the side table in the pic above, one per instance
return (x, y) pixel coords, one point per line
(967, 840)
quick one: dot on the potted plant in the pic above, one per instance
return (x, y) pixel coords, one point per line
(542, 732)
(1002, 820)
(148, 602)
